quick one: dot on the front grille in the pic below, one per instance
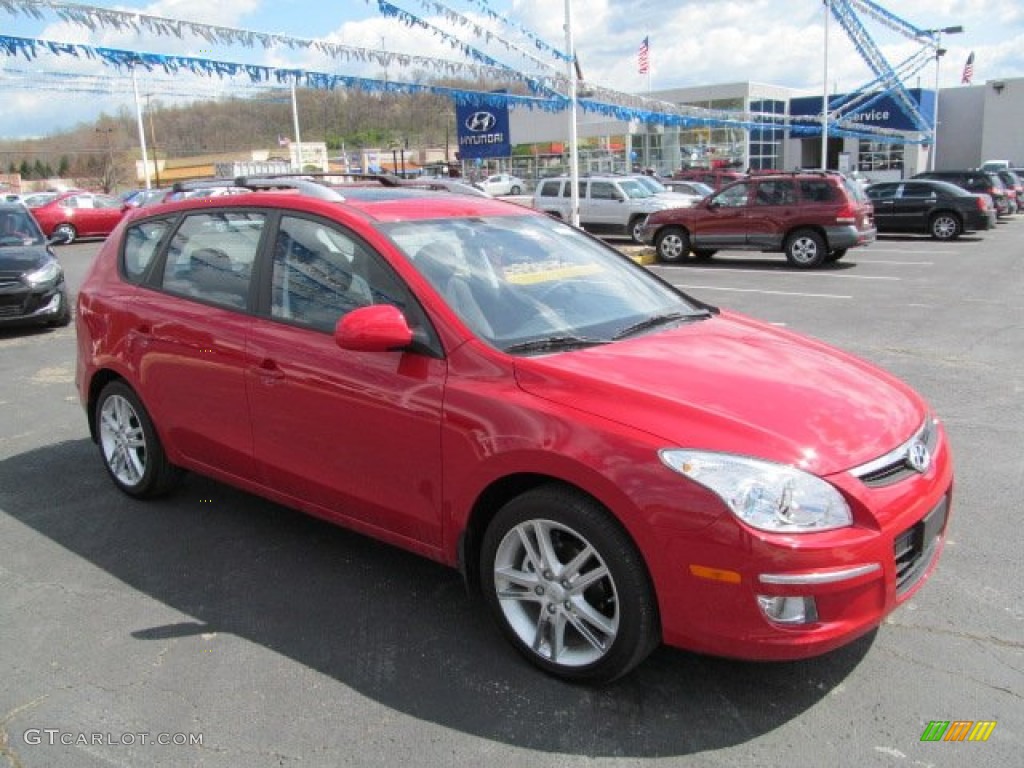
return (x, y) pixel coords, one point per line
(915, 548)
(894, 466)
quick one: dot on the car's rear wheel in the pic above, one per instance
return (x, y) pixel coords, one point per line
(636, 226)
(672, 244)
(67, 232)
(130, 447)
(515, 190)
(567, 586)
(806, 249)
(945, 226)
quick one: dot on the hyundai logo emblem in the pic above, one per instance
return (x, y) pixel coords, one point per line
(480, 122)
(918, 457)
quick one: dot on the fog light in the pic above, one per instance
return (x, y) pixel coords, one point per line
(788, 610)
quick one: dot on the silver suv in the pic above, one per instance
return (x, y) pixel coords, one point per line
(609, 205)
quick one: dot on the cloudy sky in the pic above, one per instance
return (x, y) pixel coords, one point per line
(692, 42)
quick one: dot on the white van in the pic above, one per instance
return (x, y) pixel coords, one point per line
(995, 165)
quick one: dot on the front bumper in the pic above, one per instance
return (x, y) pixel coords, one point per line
(23, 306)
(746, 594)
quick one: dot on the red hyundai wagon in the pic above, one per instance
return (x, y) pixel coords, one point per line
(496, 390)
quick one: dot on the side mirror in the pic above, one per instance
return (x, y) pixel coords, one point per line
(59, 238)
(379, 328)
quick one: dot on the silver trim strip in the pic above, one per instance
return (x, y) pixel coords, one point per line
(820, 577)
(898, 454)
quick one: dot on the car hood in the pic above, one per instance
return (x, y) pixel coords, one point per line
(729, 383)
(23, 258)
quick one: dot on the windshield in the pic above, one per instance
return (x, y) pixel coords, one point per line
(17, 227)
(533, 285)
(635, 189)
(652, 184)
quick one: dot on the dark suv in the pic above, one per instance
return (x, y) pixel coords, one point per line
(811, 216)
(978, 182)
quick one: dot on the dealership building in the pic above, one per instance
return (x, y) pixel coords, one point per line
(976, 123)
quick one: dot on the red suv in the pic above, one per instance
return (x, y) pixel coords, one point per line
(811, 216)
(491, 388)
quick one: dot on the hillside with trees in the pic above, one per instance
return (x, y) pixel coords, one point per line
(104, 153)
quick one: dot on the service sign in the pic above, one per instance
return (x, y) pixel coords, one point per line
(884, 111)
(483, 131)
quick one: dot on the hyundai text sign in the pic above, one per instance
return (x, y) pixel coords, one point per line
(483, 131)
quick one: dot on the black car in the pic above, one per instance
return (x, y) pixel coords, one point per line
(32, 287)
(979, 182)
(943, 210)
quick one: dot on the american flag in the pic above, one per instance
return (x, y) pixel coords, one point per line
(968, 70)
(644, 59)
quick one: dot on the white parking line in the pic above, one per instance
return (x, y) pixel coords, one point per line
(898, 263)
(690, 286)
(788, 273)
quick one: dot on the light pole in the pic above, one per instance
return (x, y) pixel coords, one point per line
(152, 133)
(939, 53)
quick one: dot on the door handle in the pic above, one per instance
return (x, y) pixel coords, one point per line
(269, 370)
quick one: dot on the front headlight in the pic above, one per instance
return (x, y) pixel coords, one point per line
(771, 497)
(48, 273)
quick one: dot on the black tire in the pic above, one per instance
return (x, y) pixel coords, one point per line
(703, 254)
(806, 249)
(63, 317)
(945, 226)
(129, 445)
(592, 634)
(672, 244)
(635, 226)
(68, 230)
(515, 190)
(836, 255)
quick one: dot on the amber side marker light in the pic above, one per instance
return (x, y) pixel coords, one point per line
(715, 574)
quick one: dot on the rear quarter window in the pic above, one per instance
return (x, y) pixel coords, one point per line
(817, 191)
(142, 242)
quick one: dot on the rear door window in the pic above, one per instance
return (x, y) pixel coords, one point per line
(211, 255)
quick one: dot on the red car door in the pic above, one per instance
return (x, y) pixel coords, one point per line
(720, 220)
(351, 434)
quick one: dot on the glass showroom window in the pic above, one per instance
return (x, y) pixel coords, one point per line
(766, 143)
(880, 156)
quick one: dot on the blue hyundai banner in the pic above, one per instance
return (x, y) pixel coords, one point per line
(483, 131)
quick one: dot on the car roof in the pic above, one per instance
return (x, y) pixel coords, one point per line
(381, 203)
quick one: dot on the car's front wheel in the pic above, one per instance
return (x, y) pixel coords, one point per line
(567, 586)
(130, 447)
(672, 244)
(945, 226)
(66, 232)
(63, 316)
(515, 190)
(806, 249)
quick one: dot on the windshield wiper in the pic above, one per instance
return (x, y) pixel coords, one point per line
(553, 343)
(655, 320)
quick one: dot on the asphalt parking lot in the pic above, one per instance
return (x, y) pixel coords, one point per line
(243, 634)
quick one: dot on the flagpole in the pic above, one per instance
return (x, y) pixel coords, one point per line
(574, 165)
